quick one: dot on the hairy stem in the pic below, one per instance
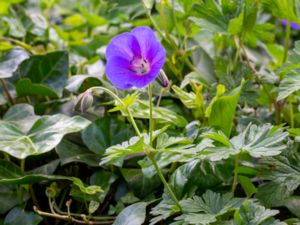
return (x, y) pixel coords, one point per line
(151, 115)
(162, 178)
(286, 42)
(131, 119)
(291, 112)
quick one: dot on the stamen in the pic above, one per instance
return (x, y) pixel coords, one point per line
(139, 65)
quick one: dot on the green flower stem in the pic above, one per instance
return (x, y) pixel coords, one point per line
(236, 164)
(6, 90)
(286, 42)
(291, 112)
(151, 115)
(131, 119)
(151, 154)
(162, 178)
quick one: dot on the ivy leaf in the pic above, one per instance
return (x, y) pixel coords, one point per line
(45, 134)
(10, 63)
(50, 70)
(132, 215)
(19, 216)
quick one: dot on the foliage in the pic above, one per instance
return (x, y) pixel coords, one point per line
(222, 146)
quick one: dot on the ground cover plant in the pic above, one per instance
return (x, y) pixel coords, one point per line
(150, 112)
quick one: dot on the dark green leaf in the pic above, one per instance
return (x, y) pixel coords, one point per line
(50, 70)
(19, 216)
(105, 132)
(69, 152)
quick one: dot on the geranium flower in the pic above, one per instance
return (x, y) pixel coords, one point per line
(134, 58)
(294, 25)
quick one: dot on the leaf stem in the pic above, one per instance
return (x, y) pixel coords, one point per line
(286, 42)
(151, 115)
(6, 90)
(162, 178)
(236, 164)
(131, 119)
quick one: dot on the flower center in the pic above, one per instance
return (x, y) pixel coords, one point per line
(139, 65)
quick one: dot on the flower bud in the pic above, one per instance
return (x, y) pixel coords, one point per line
(84, 101)
(162, 79)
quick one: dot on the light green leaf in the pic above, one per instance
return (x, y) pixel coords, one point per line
(252, 213)
(34, 178)
(223, 111)
(45, 134)
(289, 85)
(132, 215)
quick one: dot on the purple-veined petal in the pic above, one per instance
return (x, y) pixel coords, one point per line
(118, 72)
(146, 39)
(124, 45)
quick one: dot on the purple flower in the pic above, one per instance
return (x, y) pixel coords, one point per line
(134, 59)
(294, 25)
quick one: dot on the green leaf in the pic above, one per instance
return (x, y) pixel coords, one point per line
(289, 85)
(140, 184)
(293, 204)
(9, 197)
(140, 109)
(19, 216)
(116, 153)
(251, 213)
(132, 215)
(34, 178)
(204, 210)
(16, 28)
(105, 132)
(211, 203)
(69, 152)
(283, 172)
(21, 115)
(210, 17)
(50, 70)
(10, 63)
(25, 87)
(255, 140)
(197, 219)
(247, 185)
(104, 179)
(44, 135)
(9, 170)
(75, 82)
(223, 111)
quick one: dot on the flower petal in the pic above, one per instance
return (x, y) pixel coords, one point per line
(124, 45)
(146, 39)
(118, 73)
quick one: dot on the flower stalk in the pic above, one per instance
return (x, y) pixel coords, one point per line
(152, 154)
